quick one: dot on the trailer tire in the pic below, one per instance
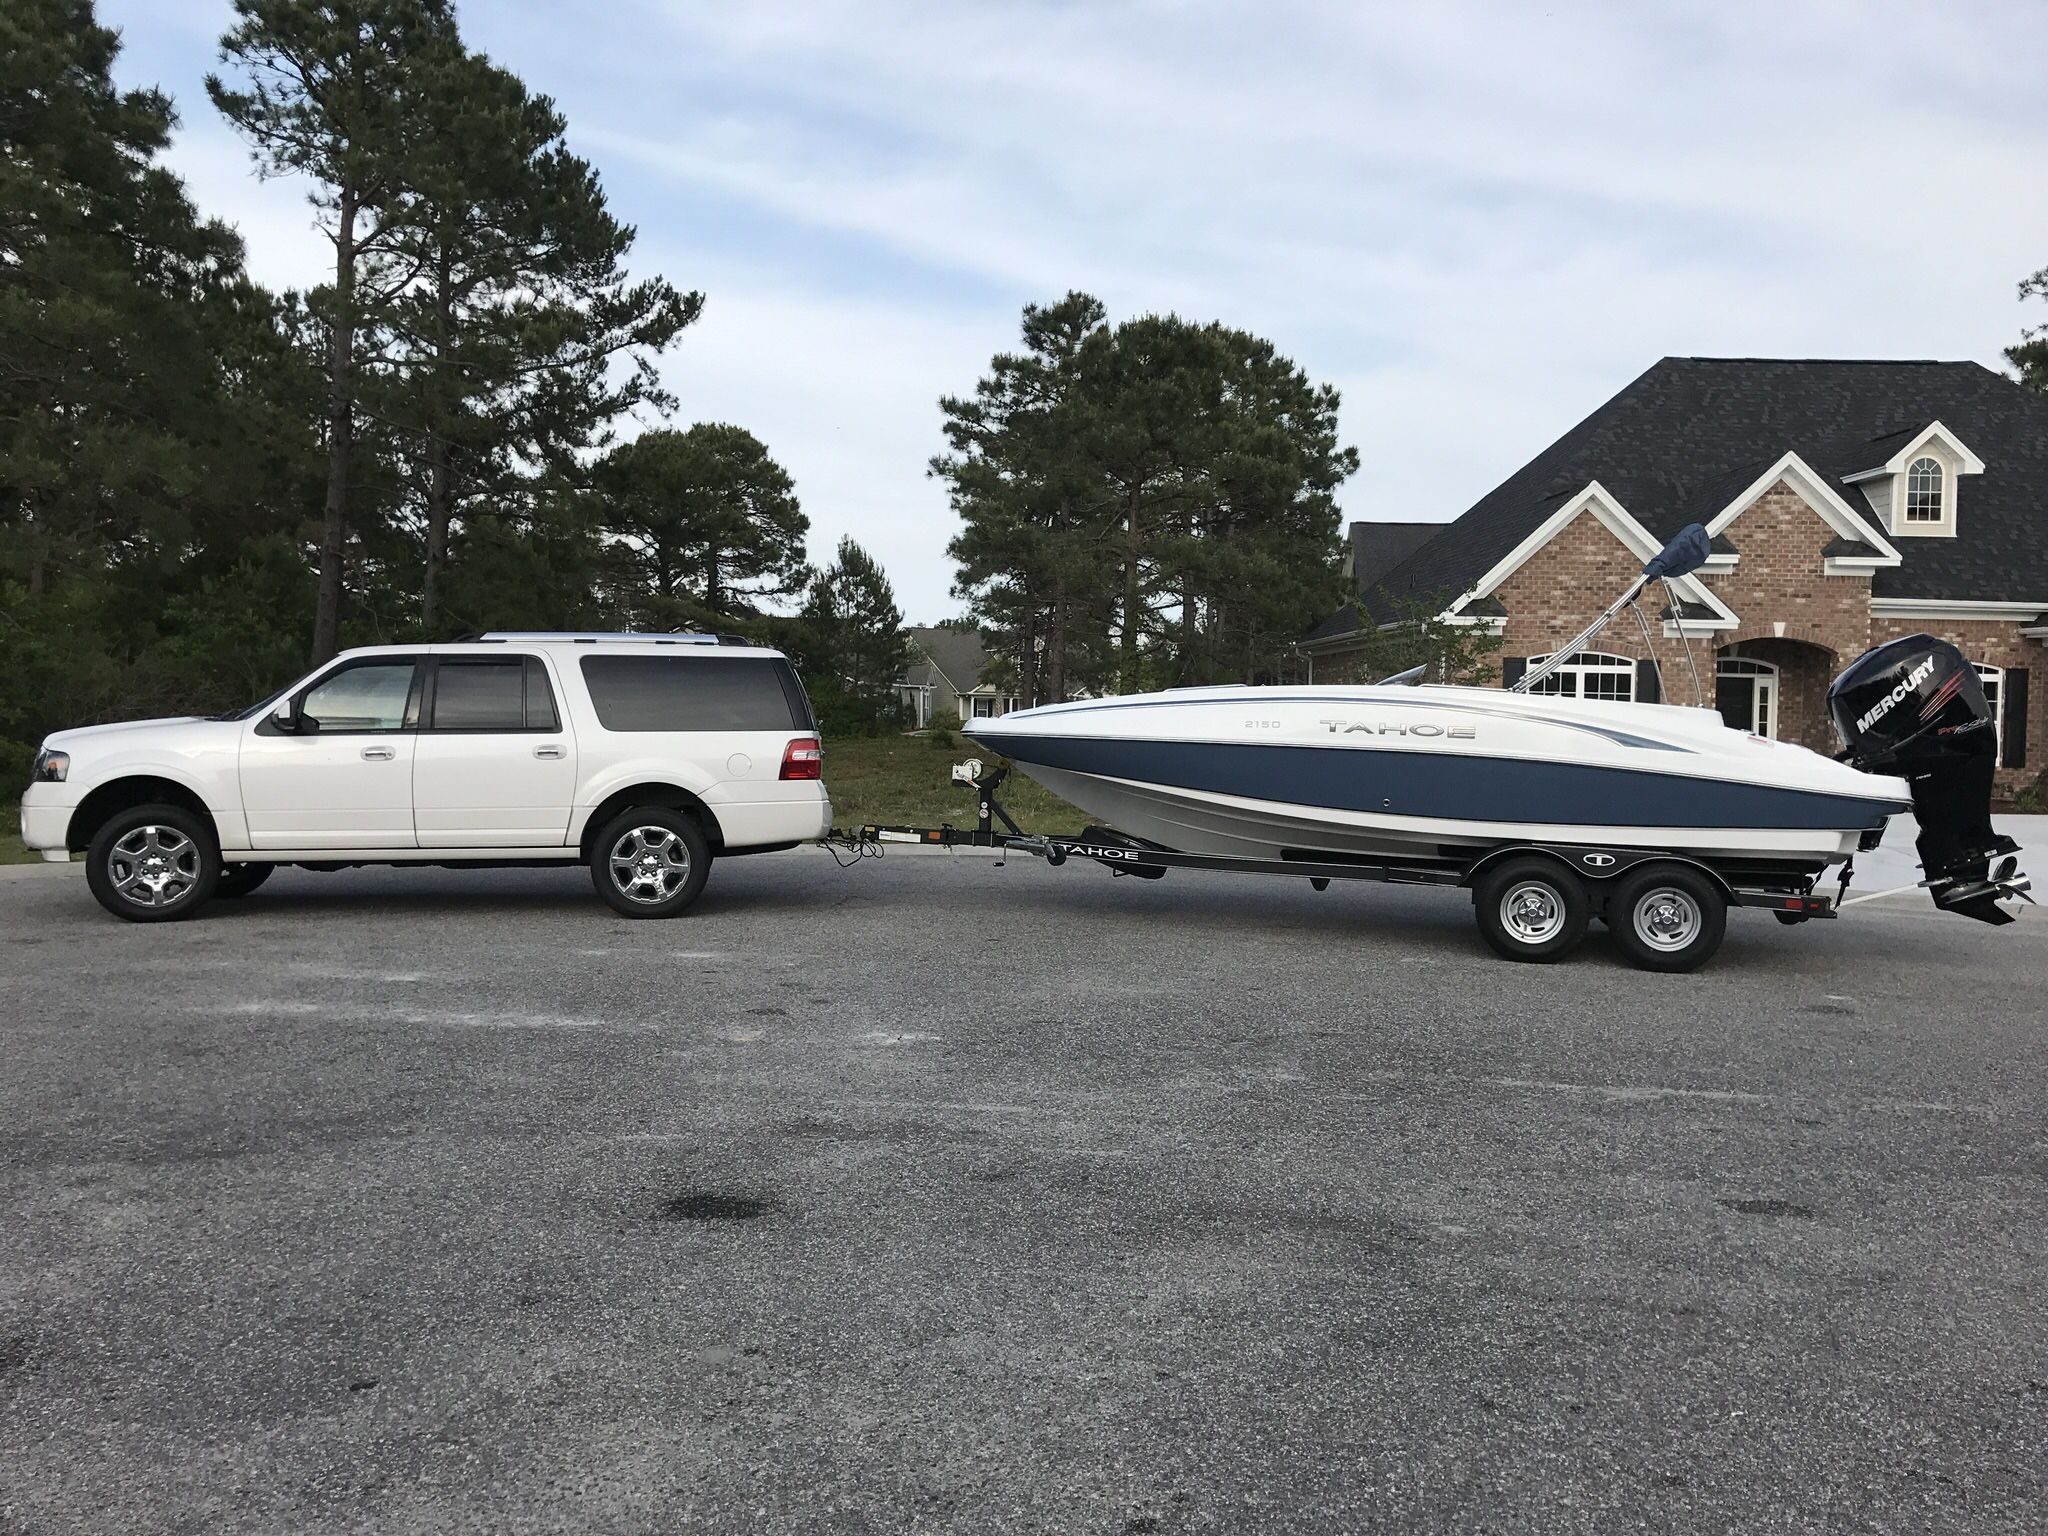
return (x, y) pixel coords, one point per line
(1532, 909)
(1667, 917)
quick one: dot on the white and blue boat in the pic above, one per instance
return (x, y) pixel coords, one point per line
(1437, 772)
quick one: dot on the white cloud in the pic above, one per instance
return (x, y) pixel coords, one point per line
(1478, 220)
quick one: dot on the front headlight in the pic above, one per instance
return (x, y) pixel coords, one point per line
(52, 767)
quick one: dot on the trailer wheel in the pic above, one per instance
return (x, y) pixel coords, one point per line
(1667, 917)
(1532, 909)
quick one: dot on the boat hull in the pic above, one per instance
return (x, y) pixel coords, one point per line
(1436, 773)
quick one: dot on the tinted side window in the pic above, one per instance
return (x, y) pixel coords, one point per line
(540, 698)
(370, 697)
(508, 693)
(480, 695)
(677, 693)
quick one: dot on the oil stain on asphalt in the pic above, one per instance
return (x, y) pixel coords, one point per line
(708, 1205)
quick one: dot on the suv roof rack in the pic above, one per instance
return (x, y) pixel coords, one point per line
(578, 637)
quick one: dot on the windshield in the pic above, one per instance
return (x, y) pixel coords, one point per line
(251, 711)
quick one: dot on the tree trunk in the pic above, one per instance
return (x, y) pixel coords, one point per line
(1127, 641)
(341, 348)
(437, 425)
(437, 533)
(1056, 649)
(1027, 657)
(712, 594)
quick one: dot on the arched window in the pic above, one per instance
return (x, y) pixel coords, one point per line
(1923, 491)
(1589, 675)
(1993, 679)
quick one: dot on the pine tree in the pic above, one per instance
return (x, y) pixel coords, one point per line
(147, 389)
(2029, 355)
(520, 338)
(114, 299)
(335, 91)
(706, 525)
(853, 632)
(1143, 504)
(1030, 506)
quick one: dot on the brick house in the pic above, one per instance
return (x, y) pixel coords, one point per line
(1848, 503)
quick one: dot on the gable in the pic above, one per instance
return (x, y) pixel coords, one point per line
(1598, 505)
(1858, 543)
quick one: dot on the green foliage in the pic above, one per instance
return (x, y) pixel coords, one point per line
(902, 781)
(704, 524)
(521, 339)
(1145, 504)
(1417, 636)
(148, 429)
(850, 643)
(2029, 355)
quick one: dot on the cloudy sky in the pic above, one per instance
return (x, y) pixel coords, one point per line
(1478, 221)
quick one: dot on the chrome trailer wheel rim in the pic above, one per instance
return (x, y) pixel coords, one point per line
(1667, 919)
(153, 866)
(1532, 912)
(650, 864)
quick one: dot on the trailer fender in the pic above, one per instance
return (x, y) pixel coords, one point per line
(1590, 863)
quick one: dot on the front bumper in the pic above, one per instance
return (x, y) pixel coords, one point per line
(44, 827)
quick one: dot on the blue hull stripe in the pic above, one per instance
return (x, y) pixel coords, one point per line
(1458, 787)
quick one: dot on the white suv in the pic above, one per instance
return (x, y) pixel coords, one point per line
(645, 756)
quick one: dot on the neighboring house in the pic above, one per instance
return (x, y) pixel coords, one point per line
(944, 683)
(1848, 503)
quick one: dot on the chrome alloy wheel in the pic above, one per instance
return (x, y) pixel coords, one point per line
(154, 866)
(1532, 912)
(650, 864)
(1666, 919)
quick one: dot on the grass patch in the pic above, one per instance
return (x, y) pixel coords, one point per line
(906, 780)
(12, 850)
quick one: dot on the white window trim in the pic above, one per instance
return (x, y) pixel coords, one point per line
(1587, 664)
(1993, 679)
(1951, 608)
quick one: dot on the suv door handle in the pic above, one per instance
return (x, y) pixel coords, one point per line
(379, 754)
(550, 750)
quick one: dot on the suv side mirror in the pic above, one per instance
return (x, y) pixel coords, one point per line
(286, 718)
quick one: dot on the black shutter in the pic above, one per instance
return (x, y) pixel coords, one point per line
(1511, 670)
(1649, 685)
(2012, 703)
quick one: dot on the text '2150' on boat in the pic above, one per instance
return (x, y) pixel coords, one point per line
(1445, 776)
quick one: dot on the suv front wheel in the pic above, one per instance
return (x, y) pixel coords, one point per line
(650, 862)
(152, 864)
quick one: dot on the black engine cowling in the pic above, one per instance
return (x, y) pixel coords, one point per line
(1915, 708)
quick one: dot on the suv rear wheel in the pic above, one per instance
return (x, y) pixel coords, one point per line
(152, 863)
(650, 862)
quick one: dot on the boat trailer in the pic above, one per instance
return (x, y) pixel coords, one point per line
(1691, 925)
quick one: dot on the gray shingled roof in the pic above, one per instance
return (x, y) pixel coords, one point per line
(958, 654)
(1685, 438)
(1376, 548)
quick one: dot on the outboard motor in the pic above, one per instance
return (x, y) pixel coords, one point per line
(1915, 708)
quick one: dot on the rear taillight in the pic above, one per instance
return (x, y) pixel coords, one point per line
(803, 758)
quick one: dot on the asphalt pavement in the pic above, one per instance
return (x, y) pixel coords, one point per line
(932, 1196)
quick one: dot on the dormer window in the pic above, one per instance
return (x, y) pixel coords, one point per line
(1923, 491)
(1913, 492)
